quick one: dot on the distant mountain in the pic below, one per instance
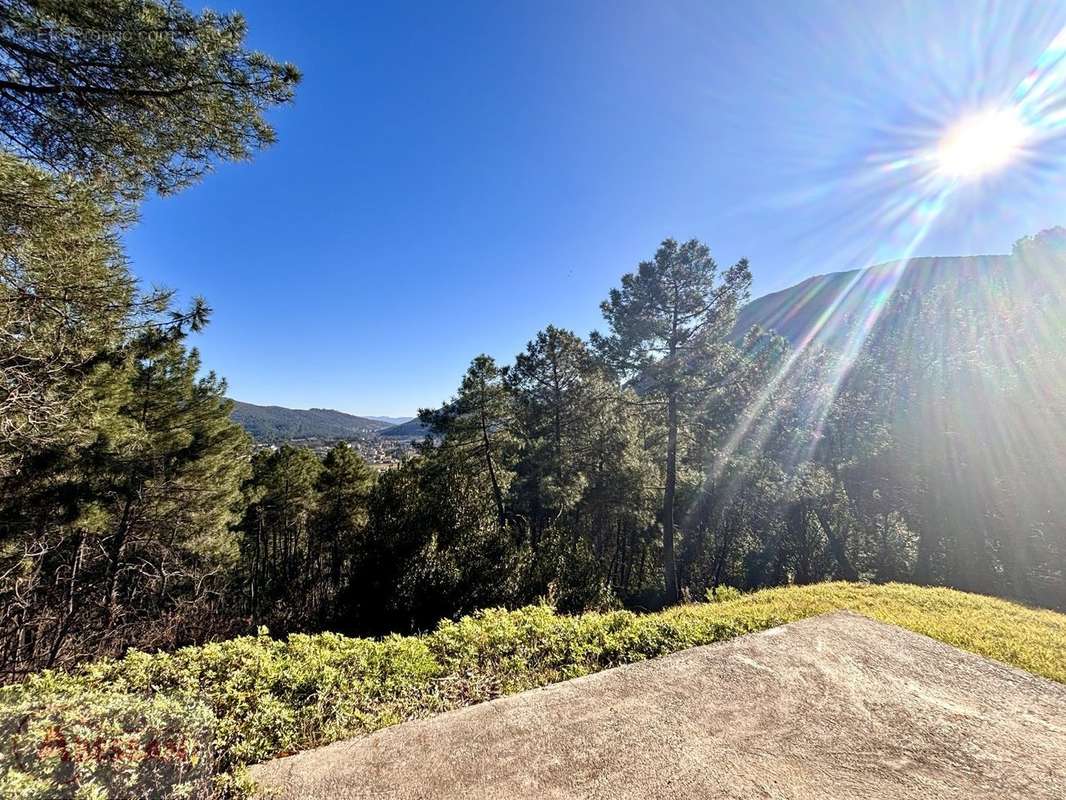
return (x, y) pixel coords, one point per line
(827, 309)
(271, 424)
(390, 420)
(412, 429)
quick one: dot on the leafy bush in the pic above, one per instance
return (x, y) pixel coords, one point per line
(59, 738)
(274, 697)
(722, 594)
(183, 724)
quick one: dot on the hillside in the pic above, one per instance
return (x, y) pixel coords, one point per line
(270, 424)
(412, 429)
(827, 308)
(310, 690)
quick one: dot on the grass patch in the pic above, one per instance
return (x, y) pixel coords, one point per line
(186, 723)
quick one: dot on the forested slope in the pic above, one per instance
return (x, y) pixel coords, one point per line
(827, 308)
(277, 424)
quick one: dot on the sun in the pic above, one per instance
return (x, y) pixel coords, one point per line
(981, 144)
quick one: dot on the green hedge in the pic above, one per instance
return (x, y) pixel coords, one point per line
(184, 724)
(64, 739)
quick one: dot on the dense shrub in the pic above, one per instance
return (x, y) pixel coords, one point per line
(183, 724)
(67, 738)
(722, 593)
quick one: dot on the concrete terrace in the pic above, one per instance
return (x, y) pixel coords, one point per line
(833, 707)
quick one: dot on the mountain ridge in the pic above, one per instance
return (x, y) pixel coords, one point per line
(412, 429)
(825, 308)
(271, 424)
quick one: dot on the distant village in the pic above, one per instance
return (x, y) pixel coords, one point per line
(380, 452)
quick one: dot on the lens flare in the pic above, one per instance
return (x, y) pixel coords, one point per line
(901, 191)
(981, 144)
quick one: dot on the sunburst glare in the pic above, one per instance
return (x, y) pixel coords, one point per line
(902, 190)
(982, 143)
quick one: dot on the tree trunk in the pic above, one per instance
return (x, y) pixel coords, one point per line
(845, 570)
(923, 569)
(114, 553)
(720, 557)
(497, 495)
(669, 565)
(68, 613)
(797, 523)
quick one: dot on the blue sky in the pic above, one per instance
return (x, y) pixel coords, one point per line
(454, 176)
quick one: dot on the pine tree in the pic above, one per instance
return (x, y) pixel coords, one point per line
(126, 538)
(278, 535)
(477, 424)
(133, 94)
(670, 324)
(340, 519)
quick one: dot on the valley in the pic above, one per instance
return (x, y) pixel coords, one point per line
(381, 442)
